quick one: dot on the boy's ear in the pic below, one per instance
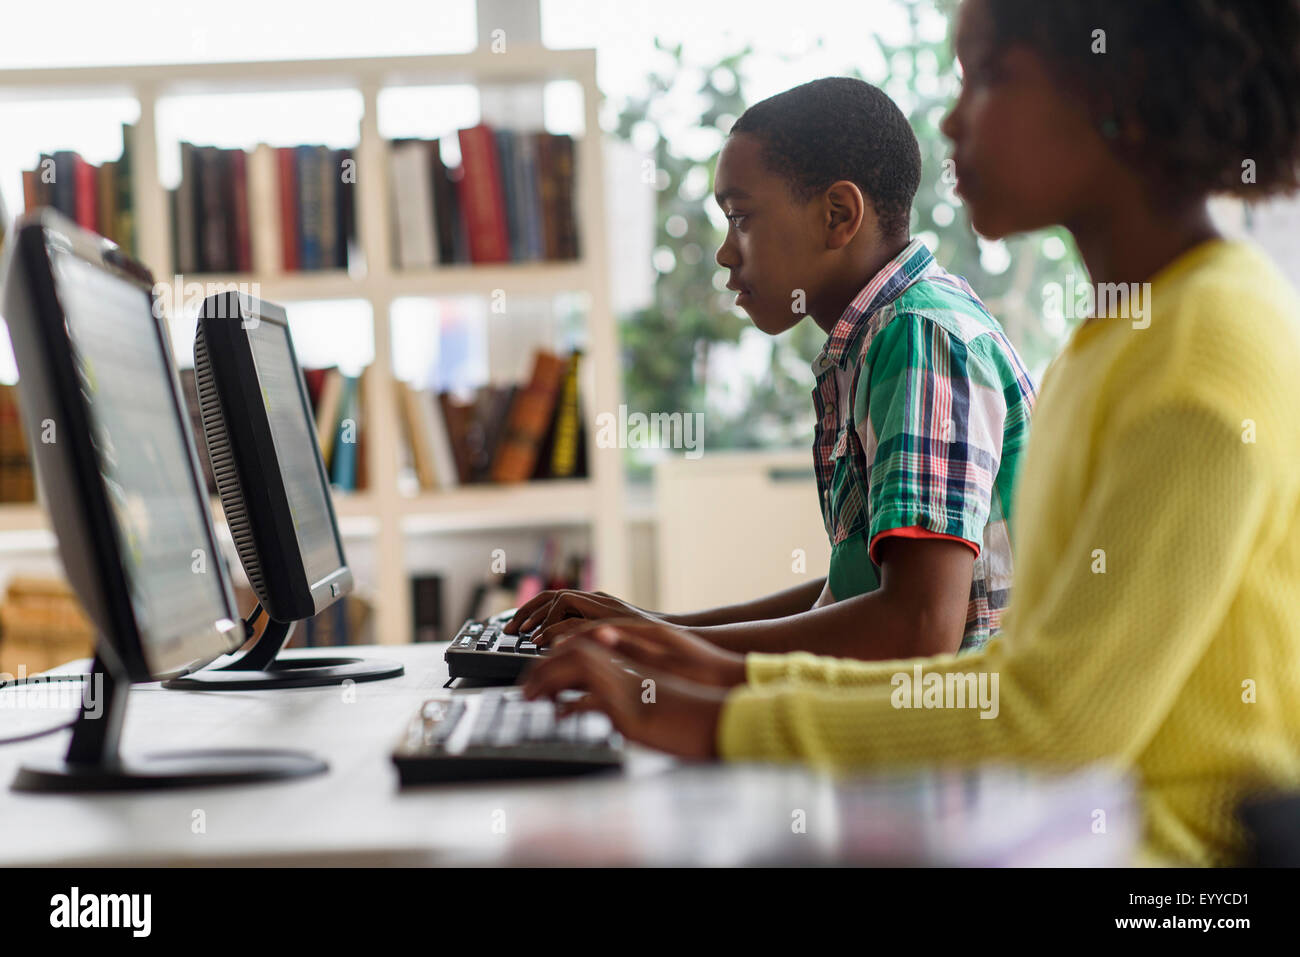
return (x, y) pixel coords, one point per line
(846, 213)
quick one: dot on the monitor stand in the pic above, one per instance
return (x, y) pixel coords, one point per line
(259, 668)
(94, 764)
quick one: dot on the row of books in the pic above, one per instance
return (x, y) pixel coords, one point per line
(96, 197)
(512, 433)
(337, 404)
(276, 209)
(337, 400)
(510, 200)
(17, 481)
(42, 625)
(553, 568)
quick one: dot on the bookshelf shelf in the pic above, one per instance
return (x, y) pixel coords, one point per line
(384, 512)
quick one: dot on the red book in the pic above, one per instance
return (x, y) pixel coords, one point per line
(482, 198)
(288, 207)
(243, 239)
(87, 180)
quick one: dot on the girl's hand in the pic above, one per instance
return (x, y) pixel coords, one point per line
(662, 648)
(660, 711)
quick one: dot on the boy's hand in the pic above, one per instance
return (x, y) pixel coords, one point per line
(545, 610)
(662, 648)
(660, 712)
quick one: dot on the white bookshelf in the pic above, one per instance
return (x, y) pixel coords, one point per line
(596, 503)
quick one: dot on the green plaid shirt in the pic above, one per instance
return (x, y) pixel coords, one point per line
(923, 412)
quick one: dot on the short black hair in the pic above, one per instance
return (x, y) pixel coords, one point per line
(840, 128)
(1187, 91)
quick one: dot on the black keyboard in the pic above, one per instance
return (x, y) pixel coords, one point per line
(482, 650)
(498, 735)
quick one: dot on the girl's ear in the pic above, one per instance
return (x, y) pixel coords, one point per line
(847, 212)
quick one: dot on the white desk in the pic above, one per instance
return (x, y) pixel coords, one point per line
(657, 812)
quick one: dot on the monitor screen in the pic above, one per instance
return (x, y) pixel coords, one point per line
(174, 578)
(292, 431)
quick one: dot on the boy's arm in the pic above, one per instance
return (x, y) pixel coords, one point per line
(780, 604)
(918, 611)
(560, 612)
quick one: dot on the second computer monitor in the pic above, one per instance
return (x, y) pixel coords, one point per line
(261, 442)
(261, 439)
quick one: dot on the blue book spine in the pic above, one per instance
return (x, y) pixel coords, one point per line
(535, 242)
(344, 470)
(309, 208)
(505, 154)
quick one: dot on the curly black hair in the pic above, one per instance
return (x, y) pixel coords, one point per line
(1201, 96)
(840, 128)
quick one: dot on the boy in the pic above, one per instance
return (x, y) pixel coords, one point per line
(922, 403)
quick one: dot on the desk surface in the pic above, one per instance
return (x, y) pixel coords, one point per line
(657, 812)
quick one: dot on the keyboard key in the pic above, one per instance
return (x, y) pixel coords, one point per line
(527, 648)
(507, 643)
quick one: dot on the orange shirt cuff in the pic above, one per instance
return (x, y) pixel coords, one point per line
(916, 531)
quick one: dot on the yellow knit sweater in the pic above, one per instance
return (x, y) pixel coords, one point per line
(1155, 616)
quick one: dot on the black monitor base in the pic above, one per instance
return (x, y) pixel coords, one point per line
(174, 769)
(94, 764)
(259, 668)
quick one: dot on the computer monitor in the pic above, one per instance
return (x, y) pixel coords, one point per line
(261, 442)
(115, 461)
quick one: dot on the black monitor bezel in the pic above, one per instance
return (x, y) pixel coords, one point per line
(225, 323)
(68, 467)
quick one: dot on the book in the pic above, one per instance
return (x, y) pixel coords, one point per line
(343, 465)
(310, 207)
(85, 203)
(413, 204)
(106, 199)
(505, 140)
(327, 187)
(447, 211)
(346, 210)
(534, 239)
(457, 415)
(264, 212)
(124, 227)
(242, 241)
(418, 435)
(444, 458)
(212, 209)
(185, 225)
(531, 411)
(288, 180)
(328, 413)
(486, 425)
(315, 379)
(481, 195)
(564, 446)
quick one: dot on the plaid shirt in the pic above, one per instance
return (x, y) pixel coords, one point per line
(923, 412)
